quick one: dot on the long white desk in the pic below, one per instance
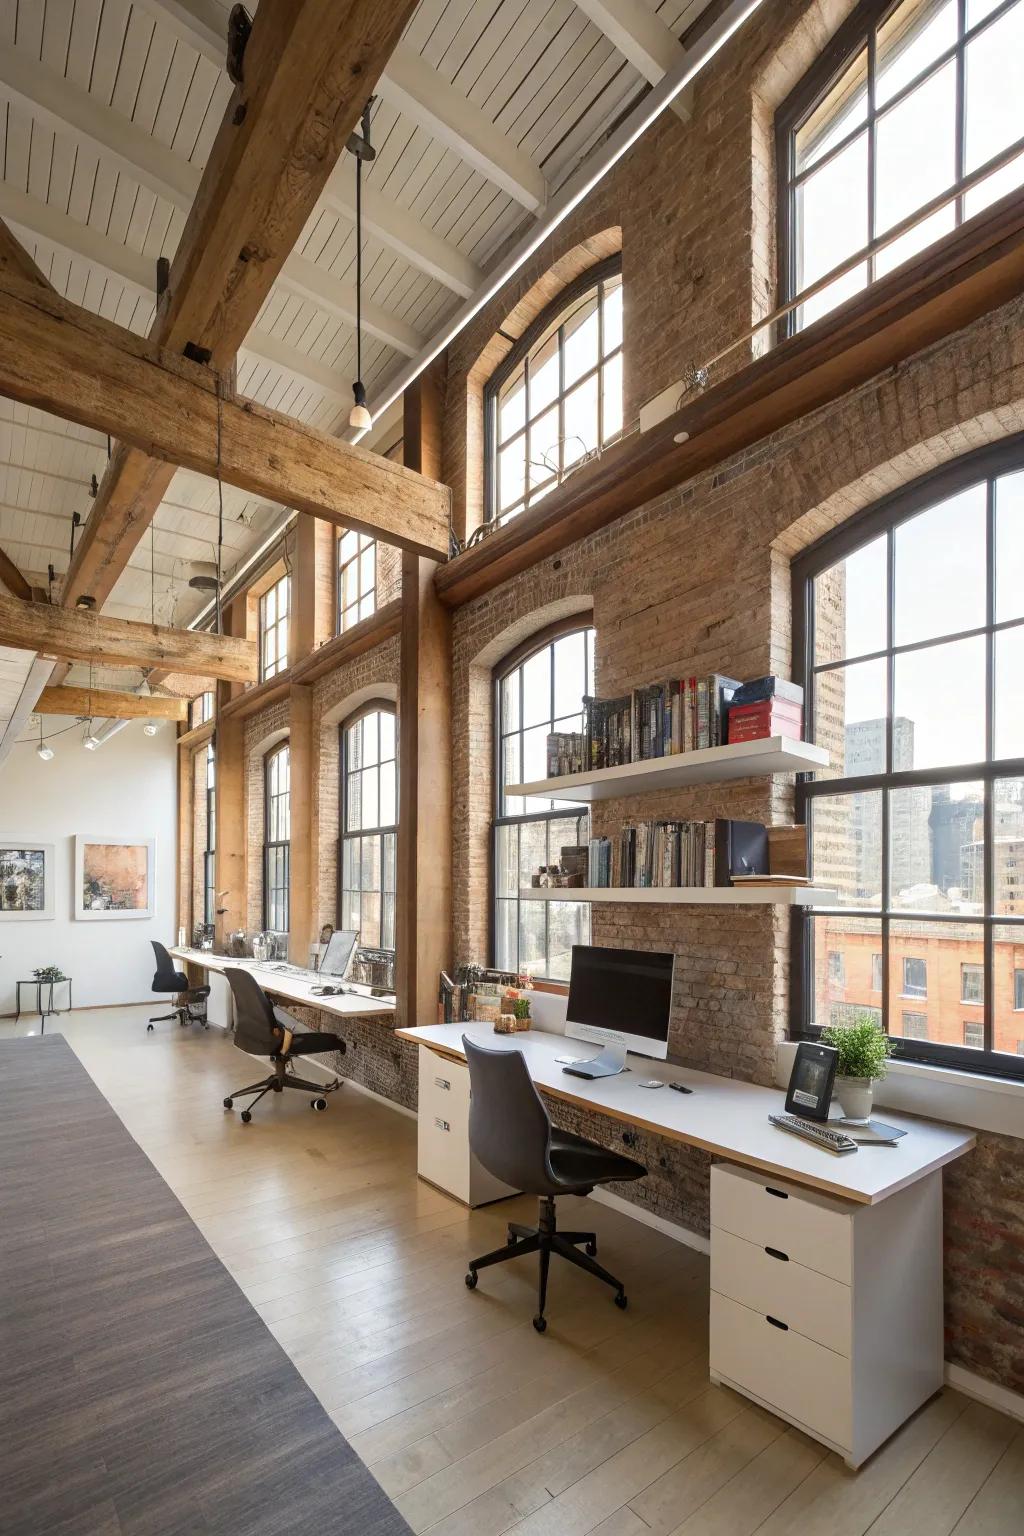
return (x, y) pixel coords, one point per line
(292, 989)
(826, 1271)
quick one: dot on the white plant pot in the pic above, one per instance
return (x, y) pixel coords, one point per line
(855, 1095)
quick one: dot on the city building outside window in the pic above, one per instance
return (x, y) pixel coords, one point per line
(540, 688)
(836, 969)
(276, 838)
(915, 1026)
(913, 666)
(274, 607)
(974, 1034)
(557, 396)
(369, 825)
(906, 104)
(357, 578)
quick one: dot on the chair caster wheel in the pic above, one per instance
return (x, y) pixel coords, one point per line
(229, 1103)
(622, 1301)
(591, 1248)
(149, 1029)
(540, 1323)
(471, 1280)
(318, 1103)
(247, 1116)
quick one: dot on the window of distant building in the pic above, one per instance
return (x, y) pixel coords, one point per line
(912, 664)
(905, 104)
(357, 578)
(539, 688)
(915, 1026)
(274, 607)
(369, 824)
(836, 967)
(276, 838)
(557, 397)
(974, 1035)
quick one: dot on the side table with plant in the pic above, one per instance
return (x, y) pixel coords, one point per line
(863, 1058)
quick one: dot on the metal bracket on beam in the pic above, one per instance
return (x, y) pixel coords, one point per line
(239, 29)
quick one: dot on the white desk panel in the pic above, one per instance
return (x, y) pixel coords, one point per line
(293, 989)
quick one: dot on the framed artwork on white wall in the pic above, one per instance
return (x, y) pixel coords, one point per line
(115, 877)
(26, 880)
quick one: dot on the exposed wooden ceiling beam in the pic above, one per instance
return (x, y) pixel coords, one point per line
(310, 66)
(39, 668)
(926, 299)
(82, 636)
(105, 704)
(636, 31)
(12, 578)
(62, 359)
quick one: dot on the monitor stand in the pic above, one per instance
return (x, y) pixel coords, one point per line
(610, 1061)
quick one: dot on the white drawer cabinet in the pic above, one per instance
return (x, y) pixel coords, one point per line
(443, 1154)
(826, 1312)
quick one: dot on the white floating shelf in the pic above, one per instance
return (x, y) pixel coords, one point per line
(742, 760)
(689, 895)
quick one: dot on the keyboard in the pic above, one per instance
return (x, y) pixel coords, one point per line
(832, 1141)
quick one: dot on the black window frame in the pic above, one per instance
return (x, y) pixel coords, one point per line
(380, 831)
(279, 663)
(201, 709)
(364, 542)
(574, 293)
(544, 639)
(982, 465)
(858, 32)
(273, 846)
(210, 851)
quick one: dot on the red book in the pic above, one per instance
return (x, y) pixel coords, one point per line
(753, 722)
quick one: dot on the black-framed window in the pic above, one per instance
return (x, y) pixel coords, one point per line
(907, 101)
(368, 854)
(274, 608)
(210, 851)
(909, 635)
(357, 578)
(557, 396)
(538, 689)
(276, 838)
(201, 709)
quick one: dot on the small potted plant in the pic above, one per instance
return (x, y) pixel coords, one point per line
(864, 1053)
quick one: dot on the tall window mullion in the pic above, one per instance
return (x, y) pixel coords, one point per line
(277, 839)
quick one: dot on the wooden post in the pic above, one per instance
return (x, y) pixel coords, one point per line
(424, 899)
(312, 608)
(186, 839)
(231, 861)
(303, 855)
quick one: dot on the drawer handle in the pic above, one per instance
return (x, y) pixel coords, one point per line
(442, 1082)
(776, 1253)
(776, 1324)
(780, 1194)
(442, 1125)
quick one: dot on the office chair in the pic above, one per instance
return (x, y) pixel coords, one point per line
(193, 1009)
(511, 1134)
(264, 1030)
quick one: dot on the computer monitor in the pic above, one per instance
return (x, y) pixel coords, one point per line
(622, 999)
(338, 953)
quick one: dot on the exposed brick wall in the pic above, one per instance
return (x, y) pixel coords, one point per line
(198, 833)
(262, 732)
(374, 1057)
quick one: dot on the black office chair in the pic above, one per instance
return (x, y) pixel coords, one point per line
(192, 1008)
(511, 1134)
(264, 1030)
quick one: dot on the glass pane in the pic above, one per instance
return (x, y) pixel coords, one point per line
(612, 314)
(535, 757)
(915, 155)
(537, 687)
(544, 446)
(532, 955)
(932, 829)
(370, 871)
(581, 428)
(1009, 700)
(370, 728)
(354, 747)
(844, 108)
(994, 89)
(512, 406)
(1008, 989)
(846, 846)
(388, 808)
(371, 798)
(506, 874)
(580, 340)
(354, 802)
(367, 564)
(925, 961)
(369, 908)
(915, 239)
(843, 288)
(1008, 849)
(568, 924)
(349, 546)
(506, 932)
(924, 736)
(544, 380)
(832, 213)
(387, 734)
(849, 605)
(994, 186)
(570, 657)
(937, 593)
(846, 984)
(349, 849)
(611, 401)
(533, 849)
(511, 773)
(1010, 547)
(850, 718)
(510, 702)
(270, 608)
(512, 473)
(911, 39)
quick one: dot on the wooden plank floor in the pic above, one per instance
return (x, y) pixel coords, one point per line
(475, 1424)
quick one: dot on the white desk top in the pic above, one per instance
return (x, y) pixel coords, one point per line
(722, 1115)
(292, 988)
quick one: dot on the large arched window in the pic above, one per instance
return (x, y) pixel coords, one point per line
(909, 630)
(276, 838)
(210, 850)
(539, 688)
(369, 824)
(557, 397)
(907, 102)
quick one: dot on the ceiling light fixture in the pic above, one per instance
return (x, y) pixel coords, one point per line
(151, 727)
(43, 751)
(359, 145)
(90, 741)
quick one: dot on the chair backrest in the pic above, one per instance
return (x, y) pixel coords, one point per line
(509, 1129)
(256, 1028)
(168, 978)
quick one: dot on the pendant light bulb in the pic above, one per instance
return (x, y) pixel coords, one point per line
(359, 417)
(90, 741)
(45, 752)
(150, 728)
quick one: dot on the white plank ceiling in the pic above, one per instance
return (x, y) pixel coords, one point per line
(108, 109)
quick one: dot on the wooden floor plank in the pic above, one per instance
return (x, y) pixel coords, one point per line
(998, 1506)
(931, 1501)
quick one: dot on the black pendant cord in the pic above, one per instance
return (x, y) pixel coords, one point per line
(359, 269)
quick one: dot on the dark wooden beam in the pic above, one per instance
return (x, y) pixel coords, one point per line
(14, 258)
(13, 580)
(935, 294)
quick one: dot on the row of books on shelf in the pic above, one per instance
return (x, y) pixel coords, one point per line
(680, 715)
(660, 854)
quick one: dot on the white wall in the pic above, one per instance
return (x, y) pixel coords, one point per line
(128, 788)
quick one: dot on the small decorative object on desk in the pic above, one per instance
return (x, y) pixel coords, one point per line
(48, 973)
(505, 1024)
(864, 1053)
(521, 1010)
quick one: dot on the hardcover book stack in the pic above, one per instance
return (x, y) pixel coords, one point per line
(768, 706)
